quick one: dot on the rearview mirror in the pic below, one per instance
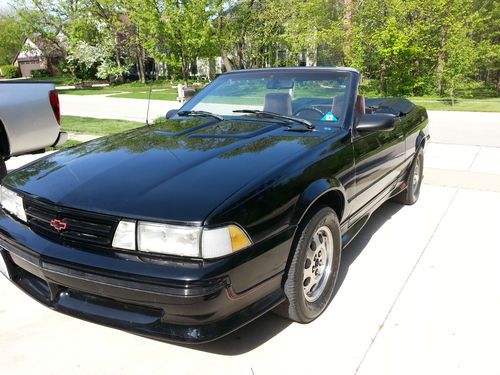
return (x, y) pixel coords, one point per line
(376, 122)
(171, 113)
(280, 84)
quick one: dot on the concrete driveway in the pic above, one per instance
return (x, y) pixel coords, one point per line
(418, 293)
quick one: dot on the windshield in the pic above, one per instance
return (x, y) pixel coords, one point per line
(315, 96)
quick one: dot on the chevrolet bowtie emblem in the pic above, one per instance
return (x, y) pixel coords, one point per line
(58, 225)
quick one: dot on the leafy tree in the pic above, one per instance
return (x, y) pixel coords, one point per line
(86, 60)
(11, 38)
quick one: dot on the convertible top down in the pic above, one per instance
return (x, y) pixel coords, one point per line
(237, 204)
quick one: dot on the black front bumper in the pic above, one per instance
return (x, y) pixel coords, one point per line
(174, 300)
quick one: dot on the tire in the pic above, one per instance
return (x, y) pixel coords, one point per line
(3, 169)
(317, 252)
(414, 181)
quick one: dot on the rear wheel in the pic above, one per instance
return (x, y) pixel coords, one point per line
(314, 267)
(414, 181)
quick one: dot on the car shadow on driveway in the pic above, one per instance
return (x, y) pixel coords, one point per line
(269, 325)
(355, 248)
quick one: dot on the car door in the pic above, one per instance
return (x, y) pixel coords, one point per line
(378, 158)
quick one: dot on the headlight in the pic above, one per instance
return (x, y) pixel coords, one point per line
(13, 203)
(180, 240)
(168, 239)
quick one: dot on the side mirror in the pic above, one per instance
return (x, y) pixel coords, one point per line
(376, 122)
(171, 113)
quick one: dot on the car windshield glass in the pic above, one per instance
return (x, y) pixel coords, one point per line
(315, 96)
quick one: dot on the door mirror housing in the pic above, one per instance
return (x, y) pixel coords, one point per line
(171, 113)
(376, 122)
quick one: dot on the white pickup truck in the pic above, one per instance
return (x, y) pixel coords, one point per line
(30, 119)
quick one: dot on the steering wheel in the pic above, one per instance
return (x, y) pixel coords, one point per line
(309, 108)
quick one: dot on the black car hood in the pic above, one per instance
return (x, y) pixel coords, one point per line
(178, 171)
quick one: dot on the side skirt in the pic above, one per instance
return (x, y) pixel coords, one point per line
(352, 228)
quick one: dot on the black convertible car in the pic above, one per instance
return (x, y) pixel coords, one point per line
(239, 203)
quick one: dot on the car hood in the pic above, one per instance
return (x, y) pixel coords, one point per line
(178, 171)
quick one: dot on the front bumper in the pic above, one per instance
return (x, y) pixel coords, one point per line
(175, 300)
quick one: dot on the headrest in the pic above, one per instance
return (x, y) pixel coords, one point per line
(338, 105)
(279, 103)
(360, 105)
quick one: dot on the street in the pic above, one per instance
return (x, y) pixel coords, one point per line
(417, 293)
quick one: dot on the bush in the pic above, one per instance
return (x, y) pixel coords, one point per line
(40, 73)
(10, 71)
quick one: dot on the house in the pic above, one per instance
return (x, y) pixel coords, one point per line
(30, 57)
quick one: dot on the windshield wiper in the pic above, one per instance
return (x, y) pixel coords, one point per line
(306, 123)
(200, 113)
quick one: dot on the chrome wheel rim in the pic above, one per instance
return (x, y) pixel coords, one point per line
(317, 268)
(416, 176)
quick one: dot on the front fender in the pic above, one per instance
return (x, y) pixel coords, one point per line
(314, 192)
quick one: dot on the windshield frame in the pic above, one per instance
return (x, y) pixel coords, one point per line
(350, 91)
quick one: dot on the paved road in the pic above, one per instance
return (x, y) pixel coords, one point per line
(101, 106)
(418, 293)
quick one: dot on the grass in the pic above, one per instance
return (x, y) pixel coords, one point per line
(164, 95)
(61, 80)
(89, 91)
(469, 105)
(67, 144)
(474, 99)
(89, 125)
(162, 91)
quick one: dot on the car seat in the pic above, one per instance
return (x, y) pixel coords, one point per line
(279, 103)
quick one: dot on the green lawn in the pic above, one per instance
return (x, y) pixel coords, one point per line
(470, 105)
(59, 81)
(89, 125)
(128, 90)
(163, 91)
(68, 143)
(155, 95)
(89, 91)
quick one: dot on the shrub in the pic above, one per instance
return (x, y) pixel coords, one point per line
(10, 71)
(40, 73)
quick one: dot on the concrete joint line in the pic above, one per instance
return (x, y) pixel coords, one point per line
(462, 179)
(381, 326)
(474, 158)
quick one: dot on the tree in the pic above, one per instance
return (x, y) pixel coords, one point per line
(188, 31)
(11, 38)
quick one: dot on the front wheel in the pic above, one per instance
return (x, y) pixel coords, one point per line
(312, 274)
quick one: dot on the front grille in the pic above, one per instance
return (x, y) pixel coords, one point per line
(81, 226)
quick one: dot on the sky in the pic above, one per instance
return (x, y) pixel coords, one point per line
(4, 4)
